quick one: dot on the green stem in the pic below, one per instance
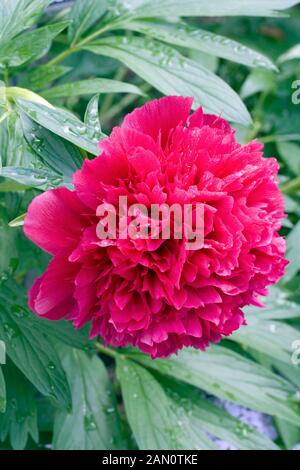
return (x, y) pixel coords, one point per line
(258, 113)
(291, 186)
(124, 102)
(75, 48)
(252, 134)
(5, 76)
(121, 73)
(279, 138)
(96, 34)
(63, 55)
(108, 351)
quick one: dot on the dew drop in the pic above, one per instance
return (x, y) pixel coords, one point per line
(297, 395)
(230, 396)
(2, 403)
(260, 63)
(81, 130)
(20, 417)
(89, 423)
(110, 410)
(14, 403)
(10, 331)
(19, 312)
(3, 277)
(36, 140)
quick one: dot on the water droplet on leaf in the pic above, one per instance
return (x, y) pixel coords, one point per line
(89, 423)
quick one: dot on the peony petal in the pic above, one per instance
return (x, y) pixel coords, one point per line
(55, 219)
(159, 117)
(51, 296)
(200, 119)
(89, 180)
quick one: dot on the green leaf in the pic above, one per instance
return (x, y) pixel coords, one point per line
(293, 253)
(270, 337)
(83, 16)
(63, 124)
(258, 81)
(91, 86)
(157, 8)
(30, 350)
(17, 15)
(57, 154)
(290, 372)
(51, 160)
(208, 61)
(91, 116)
(171, 73)
(12, 203)
(20, 418)
(42, 179)
(203, 413)
(94, 423)
(64, 332)
(14, 150)
(2, 393)
(182, 34)
(7, 186)
(291, 205)
(2, 352)
(30, 45)
(278, 306)
(46, 414)
(290, 434)
(61, 330)
(230, 376)
(290, 154)
(293, 53)
(7, 246)
(157, 422)
(3, 113)
(17, 221)
(4, 141)
(38, 78)
(15, 93)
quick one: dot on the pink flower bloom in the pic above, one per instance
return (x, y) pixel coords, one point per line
(157, 294)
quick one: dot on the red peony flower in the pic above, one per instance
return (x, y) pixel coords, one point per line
(157, 294)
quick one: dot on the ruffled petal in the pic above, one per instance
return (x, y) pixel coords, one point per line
(158, 117)
(200, 119)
